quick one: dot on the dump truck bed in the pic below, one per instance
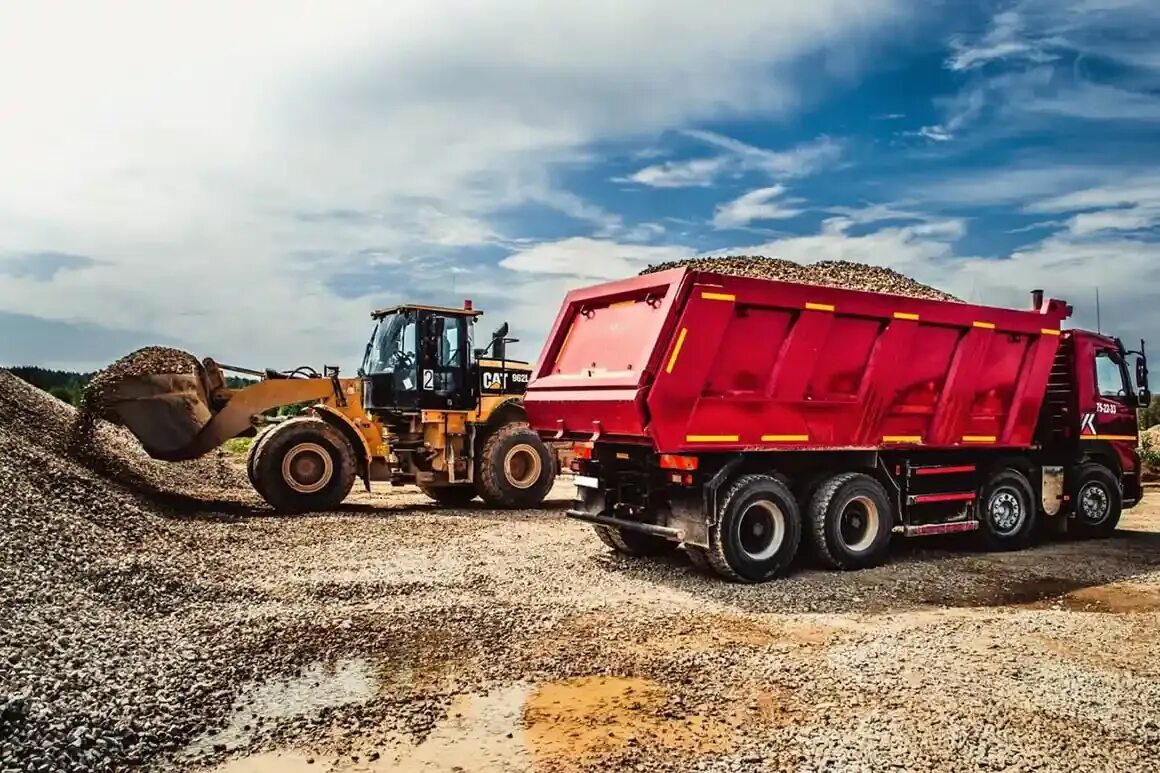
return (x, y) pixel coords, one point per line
(685, 360)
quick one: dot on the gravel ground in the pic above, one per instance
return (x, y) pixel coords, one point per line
(182, 626)
(830, 273)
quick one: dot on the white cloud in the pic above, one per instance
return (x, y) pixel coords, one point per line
(181, 145)
(1004, 39)
(585, 258)
(738, 158)
(753, 206)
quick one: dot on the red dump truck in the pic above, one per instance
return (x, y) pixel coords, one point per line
(739, 418)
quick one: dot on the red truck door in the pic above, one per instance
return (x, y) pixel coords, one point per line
(1107, 399)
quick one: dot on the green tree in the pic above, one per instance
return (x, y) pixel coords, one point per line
(1150, 416)
(64, 394)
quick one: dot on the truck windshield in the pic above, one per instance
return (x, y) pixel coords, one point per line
(392, 349)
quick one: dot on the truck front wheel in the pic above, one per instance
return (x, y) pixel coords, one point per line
(757, 530)
(1007, 512)
(851, 522)
(1098, 502)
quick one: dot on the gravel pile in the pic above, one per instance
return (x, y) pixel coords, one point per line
(829, 273)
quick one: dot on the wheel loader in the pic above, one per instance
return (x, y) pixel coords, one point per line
(426, 409)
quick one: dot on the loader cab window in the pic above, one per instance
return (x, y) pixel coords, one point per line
(393, 351)
(444, 344)
(1111, 377)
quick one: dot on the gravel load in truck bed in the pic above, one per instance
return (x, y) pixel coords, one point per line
(830, 273)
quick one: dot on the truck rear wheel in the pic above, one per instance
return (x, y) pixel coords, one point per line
(452, 496)
(1007, 512)
(851, 522)
(634, 543)
(1098, 502)
(757, 530)
(516, 469)
(304, 465)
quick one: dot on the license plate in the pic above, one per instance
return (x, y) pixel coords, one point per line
(586, 481)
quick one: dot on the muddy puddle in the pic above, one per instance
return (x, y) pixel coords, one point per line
(1058, 593)
(552, 726)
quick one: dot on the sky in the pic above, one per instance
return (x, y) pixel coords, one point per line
(249, 180)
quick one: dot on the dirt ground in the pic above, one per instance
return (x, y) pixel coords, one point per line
(496, 641)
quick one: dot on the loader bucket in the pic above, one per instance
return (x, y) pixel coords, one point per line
(166, 412)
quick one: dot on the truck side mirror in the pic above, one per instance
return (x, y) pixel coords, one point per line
(1144, 394)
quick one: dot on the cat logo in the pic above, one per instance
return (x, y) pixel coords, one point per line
(493, 380)
(1088, 425)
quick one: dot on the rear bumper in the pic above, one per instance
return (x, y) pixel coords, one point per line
(677, 516)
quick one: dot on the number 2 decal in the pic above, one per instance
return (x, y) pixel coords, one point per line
(428, 379)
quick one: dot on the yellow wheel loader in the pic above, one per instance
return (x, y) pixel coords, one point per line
(426, 409)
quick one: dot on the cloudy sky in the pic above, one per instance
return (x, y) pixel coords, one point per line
(248, 180)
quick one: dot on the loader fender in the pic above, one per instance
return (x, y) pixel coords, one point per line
(343, 424)
(508, 412)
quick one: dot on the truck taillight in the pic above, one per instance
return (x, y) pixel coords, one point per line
(582, 450)
(677, 462)
(681, 479)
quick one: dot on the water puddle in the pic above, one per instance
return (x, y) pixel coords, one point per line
(320, 686)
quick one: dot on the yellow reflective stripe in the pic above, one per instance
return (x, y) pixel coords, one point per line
(902, 439)
(905, 315)
(621, 303)
(1109, 437)
(718, 297)
(677, 350)
(819, 307)
(1049, 332)
(985, 325)
(785, 438)
(712, 438)
(979, 438)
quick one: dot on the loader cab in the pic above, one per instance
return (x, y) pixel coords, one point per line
(419, 358)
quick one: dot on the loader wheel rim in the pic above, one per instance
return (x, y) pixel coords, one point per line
(1005, 511)
(522, 466)
(761, 530)
(307, 468)
(858, 525)
(1094, 504)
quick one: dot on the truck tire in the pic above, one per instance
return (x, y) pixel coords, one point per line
(458, 495)
(1007, 511)
(851, 521)
(634, 543)
(252, 457)
(1098, 500)
(516, 469)
(756, 532)
(304, 465)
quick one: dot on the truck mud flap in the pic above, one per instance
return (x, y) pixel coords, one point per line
(620, 523)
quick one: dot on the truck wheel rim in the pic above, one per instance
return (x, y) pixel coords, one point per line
(761, 530)
(307, 468)
(1005, 511)
(858, 525)
(522, 466)
(1094, 504)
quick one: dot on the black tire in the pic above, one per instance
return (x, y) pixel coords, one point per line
(634, 543)
(458, 495)
(304, 465)
(516, 468)
(851, 522)
(1007, 511)
(757, 531)
(252, 457)
(1098, 501)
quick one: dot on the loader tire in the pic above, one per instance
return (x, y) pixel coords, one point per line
(757, 530)
(252, 457)
(850, 522)
(304, 465)
(452, 496)
(1098, 501)
(634, 543)
(1007, 511)
(516, 469)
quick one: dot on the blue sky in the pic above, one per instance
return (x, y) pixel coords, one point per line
(250, 182)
